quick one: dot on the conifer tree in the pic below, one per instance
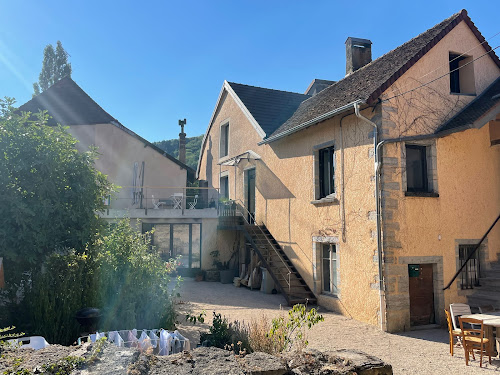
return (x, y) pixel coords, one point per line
(55, 66)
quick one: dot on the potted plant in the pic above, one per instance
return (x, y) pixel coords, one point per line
(227, 273)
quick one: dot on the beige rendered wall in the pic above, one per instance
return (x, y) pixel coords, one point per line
(421, 111)
(467, 171)
(285, 189)
(119, 151)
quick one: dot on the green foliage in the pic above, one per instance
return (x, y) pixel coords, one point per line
(64, 366)
(219, 334)
(66, 285)
(193, 147)
(196, 318)
(55, 66)
(287, 333)
(50, 192)
(7, 336)
(133, 280)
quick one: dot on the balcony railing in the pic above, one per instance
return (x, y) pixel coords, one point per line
(160, 198)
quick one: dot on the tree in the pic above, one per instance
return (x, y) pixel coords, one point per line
(55, 66)
(50, 192)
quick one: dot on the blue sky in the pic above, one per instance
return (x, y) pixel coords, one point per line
(151, 63)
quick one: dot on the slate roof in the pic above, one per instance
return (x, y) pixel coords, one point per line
(270, 108)
(68, 104)
(370, 81)
(474, 110)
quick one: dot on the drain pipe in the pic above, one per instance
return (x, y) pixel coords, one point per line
(377, 163)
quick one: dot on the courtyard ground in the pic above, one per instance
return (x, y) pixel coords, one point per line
(416, 352)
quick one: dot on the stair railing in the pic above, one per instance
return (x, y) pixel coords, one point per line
(243, 211)
(472, 253)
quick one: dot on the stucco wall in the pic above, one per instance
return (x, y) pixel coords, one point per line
(465, 173)
(284, 191)
(118, 152)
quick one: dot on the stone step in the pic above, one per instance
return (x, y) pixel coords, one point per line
(490, 283)
(490, 274)
(482, 298)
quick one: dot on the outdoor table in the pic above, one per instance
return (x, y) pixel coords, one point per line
(490, 320)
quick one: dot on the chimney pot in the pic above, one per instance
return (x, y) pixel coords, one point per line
(358, 53)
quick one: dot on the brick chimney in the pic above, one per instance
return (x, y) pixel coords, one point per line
(182, 142)
(358, 53)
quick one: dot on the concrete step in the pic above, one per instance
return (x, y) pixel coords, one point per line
(490, 283)
(484, 297)
(490, 273)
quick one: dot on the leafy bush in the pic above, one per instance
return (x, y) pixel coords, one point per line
(133, 281)
(290, 332)
(66, 284)
(121, 274)
(259, 338)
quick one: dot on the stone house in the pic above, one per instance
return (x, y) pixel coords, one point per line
(365, 195)
(153, 186)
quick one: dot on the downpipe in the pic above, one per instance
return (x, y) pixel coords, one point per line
(378, 167)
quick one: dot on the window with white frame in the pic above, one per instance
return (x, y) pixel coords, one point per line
(224, 140)
(329, 271)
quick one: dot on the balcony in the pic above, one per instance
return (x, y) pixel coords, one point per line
(143, 202)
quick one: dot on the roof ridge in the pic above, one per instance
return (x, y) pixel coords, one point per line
(265, 88)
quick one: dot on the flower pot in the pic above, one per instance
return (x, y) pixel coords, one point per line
(227, 276)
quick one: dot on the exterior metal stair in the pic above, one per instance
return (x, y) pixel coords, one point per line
(286, 277)
(488, 293)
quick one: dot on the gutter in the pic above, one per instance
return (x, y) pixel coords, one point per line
(379, 216)
(323, 117)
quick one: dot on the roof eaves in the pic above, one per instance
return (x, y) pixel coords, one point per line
(311, 122)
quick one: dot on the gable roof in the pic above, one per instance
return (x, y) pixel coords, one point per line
(270, 108)
(474, 110)
(369, 82)
(68, 104)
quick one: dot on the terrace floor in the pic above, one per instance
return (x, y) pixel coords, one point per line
(416, 352)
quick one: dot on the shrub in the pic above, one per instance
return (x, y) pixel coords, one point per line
(289, 333)
(66, 284)
(133, 281)
(259, 338)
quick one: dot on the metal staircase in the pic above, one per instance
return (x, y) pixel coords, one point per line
(286, 277)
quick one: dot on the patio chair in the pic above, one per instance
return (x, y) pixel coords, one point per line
(453, 332)
(486, 309)
(456, 310)
(192, 205)
(156, 204)
(473, 339)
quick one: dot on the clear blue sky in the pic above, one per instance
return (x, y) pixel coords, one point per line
(150, 63)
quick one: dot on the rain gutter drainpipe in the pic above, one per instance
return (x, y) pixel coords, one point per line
(377, 147)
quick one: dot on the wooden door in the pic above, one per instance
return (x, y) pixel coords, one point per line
(421, 294)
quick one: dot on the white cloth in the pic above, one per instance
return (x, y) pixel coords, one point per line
(132, 341)
(184, 342)
(114, 337)
(165, 343)
(154, 339)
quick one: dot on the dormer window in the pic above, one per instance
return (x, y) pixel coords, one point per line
(461, 74)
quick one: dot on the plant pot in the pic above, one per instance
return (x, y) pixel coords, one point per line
(212, 275)
(227, 276)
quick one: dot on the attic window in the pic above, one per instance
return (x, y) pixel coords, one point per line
(461, 74)
(224, 140)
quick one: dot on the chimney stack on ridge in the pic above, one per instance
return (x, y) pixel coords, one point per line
(358, 53)
(182, 142)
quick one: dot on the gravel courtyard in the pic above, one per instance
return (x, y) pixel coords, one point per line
(416, 352)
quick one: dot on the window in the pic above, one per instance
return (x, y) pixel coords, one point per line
(173, 240)
(416, 168)
(461, 74)
(329, 268)
(224, 140)
(224, 187)
(326, 172)
(469, 277)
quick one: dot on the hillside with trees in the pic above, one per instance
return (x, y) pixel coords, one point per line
(193, 146)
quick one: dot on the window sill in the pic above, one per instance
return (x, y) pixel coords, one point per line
(463, 93)
(330, 200)
(429, 194)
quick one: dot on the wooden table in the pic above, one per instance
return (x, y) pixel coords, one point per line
(490, 320)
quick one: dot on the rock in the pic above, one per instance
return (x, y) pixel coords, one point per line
(262, 364)
(341, 362)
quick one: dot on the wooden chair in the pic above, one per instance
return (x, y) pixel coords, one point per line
(453, 332)
(473, 339)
